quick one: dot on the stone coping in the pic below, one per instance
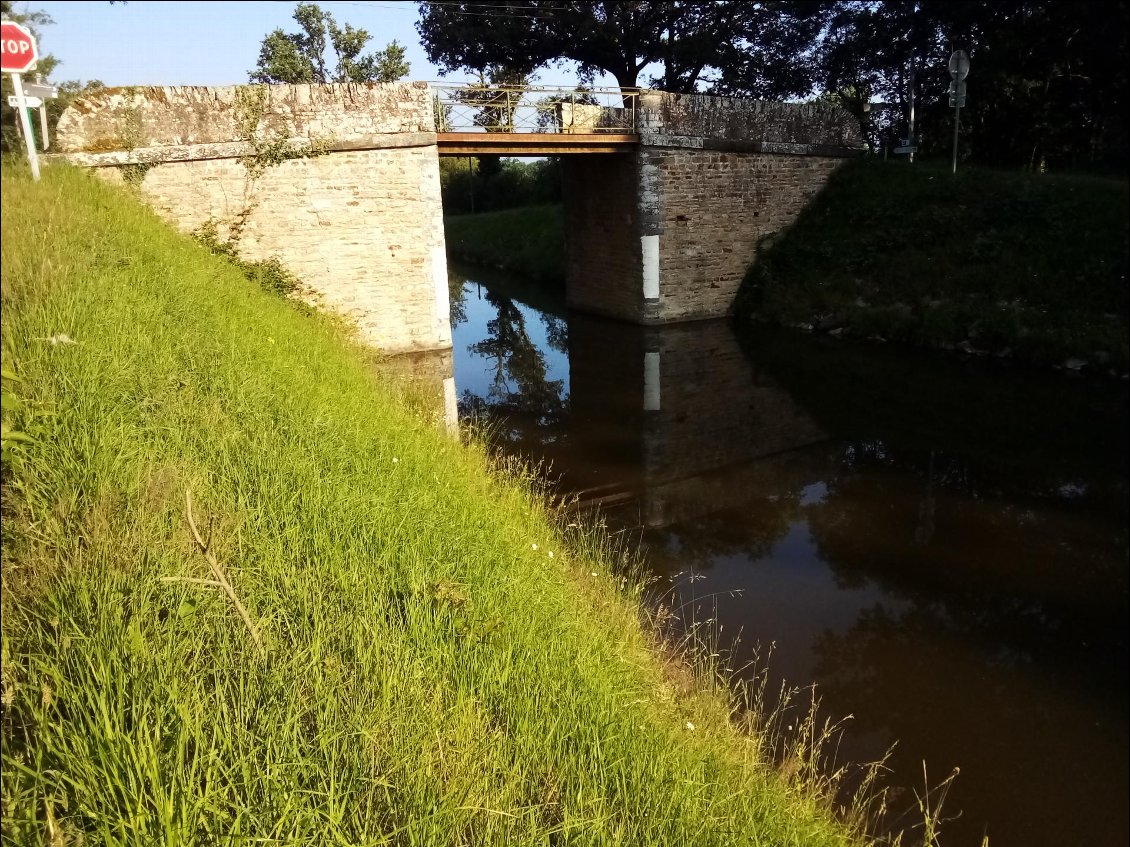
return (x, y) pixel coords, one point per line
(235, 150)
(741, 145)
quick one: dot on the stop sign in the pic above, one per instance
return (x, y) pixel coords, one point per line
(17, 48)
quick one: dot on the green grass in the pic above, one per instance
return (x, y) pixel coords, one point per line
(529, 241)
(1032, 264)
(430, 674)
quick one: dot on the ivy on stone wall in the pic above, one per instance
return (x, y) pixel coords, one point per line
(270, 151)
(134, 173)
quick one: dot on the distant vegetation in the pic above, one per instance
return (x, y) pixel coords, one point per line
(1029, 266)
(529, 241)
(490, 183)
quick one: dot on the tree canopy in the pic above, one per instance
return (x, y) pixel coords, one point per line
(1048, 80)
(693, 43)
(1048, 85)
(301, 57)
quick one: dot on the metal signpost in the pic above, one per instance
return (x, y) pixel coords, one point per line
(908, 142)
(18, 55)
(959, 70)
(39, 90)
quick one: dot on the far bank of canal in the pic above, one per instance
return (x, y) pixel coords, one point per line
(939, 545)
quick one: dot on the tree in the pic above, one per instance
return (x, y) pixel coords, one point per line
(1048, 83)
(866, 54)
(301, 57)
(497, 96)
(691, 41)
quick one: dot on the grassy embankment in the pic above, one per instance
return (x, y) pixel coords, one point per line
(426, 657)
(529, 241)
(1032, 266)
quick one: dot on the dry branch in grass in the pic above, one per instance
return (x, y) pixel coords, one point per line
(221, 579)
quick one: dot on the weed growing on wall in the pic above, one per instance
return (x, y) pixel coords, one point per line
(134, 173)
(129, 136)
(271, 151)
(269, 274)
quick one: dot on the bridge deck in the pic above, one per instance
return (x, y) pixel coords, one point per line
(534, 143)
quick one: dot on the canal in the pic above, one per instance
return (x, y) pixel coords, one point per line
(938, 545)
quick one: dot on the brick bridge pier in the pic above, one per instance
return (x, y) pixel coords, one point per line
(341, 184)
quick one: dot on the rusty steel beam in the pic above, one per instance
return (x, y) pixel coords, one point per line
(533, 143)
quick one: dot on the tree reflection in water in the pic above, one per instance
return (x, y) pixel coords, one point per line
(457, 297)
(521, 395)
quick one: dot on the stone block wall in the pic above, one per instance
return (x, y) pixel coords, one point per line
(363, 230)
(360, 223)
(714, 207)
(116, 119)
(698, 120)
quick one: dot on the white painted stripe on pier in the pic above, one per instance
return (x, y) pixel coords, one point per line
(649, 247)
(651, 382)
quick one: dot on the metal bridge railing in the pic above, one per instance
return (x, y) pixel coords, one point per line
(472, 107)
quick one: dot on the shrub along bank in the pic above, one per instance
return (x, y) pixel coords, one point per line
(1023, 265)
(529, 242)
(375, 639)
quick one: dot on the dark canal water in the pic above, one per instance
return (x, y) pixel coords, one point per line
(939, 545)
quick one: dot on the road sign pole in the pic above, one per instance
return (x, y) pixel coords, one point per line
(956, 124)
(959, 70)
(910, 134)
(29, 141)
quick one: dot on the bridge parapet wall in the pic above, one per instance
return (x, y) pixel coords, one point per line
(338, 182)
(737, 124)
(137, 119)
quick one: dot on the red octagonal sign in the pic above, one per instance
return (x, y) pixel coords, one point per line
(17, 48)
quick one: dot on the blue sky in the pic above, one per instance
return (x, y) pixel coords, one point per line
(155, 42)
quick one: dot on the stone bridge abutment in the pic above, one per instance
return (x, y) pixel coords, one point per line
(341, 184)
(338, 182)
(667, 232)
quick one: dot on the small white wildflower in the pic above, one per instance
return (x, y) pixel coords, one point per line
(790, 726)
(550, 554)
(533, 547)
(594, 573)
(395, 460)
(690, 726)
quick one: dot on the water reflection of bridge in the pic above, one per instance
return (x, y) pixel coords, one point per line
(657, 414)
(659, 424)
